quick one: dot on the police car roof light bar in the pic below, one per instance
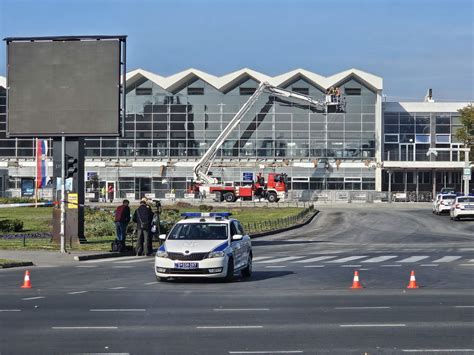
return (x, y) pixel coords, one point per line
(207, 214)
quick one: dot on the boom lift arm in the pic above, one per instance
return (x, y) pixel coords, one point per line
(201, 169)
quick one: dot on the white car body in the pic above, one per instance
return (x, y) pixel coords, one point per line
(444, 202)
(463, 206)
(187, 250)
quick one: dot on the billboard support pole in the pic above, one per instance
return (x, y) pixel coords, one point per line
(63, 193)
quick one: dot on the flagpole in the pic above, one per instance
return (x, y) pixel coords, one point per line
(36, 180)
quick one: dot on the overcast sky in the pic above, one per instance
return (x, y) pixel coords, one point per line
(413, 44)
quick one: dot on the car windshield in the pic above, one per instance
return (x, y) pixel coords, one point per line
(466, 199)
(448, 197)
(199, 231)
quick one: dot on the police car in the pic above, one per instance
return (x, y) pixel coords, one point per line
(204, 245)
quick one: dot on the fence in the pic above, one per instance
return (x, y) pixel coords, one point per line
(279, 223)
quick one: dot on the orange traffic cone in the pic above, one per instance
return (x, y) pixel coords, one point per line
(26, 281)
(412, 283)
(355, 282)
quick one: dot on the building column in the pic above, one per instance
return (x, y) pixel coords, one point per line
(378, 179)
(433, 178)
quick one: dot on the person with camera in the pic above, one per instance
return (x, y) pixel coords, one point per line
(143, 217)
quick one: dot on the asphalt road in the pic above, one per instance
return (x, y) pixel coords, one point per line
(298, 300)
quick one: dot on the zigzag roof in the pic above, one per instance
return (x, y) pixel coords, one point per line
(228, 81)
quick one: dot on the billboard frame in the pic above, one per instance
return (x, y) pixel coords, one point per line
(122, 72)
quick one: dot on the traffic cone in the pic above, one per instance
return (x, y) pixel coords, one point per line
(355, 282)
(412, 283)
(26, 281)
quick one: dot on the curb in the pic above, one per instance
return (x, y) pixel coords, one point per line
(295, 226)
(19, 264)
(101, 256)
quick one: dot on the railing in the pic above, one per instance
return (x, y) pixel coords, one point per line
(279, 223)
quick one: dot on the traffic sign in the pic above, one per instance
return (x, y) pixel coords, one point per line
(467, 174)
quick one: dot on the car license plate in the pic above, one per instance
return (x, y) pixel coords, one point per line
(186, 266)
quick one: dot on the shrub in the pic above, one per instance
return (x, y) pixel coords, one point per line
(7, 200)
(11, 225)
(181, 204)
(205, 208)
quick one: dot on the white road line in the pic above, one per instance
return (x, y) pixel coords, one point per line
(351, 265)
(436, 350)
(471, 261)
(133, 261)
(447, 259)
(429, 265)
(76, 292)
(368, 307)
(276, 266)
(279, 260)
(314, 265)
(86, 266)
(232, 327)
(268, 352)
(240, 309)
(117, 288)
(119, 310)
(32, 298)
(122, 267)
(466, 264)
(151, 283)
(78, 328)
(258, 258)
(108, 260)
(413, 259)
(318, 258)
(379, 259)
(349, 258)
(390, 265)
(10, 310)
(463, 306)
(371, 325)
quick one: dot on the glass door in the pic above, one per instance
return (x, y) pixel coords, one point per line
(407, 152)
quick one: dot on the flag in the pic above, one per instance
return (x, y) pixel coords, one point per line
(41, 163)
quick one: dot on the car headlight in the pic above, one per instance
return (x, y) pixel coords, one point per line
(216, 254)
(161, 254)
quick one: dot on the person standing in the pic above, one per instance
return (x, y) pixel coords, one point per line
(110, 191)
(103, 194)
(143, 217)
(122, 218)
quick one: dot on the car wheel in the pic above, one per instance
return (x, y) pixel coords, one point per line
(161, 279)
(247, 272)
(229, 197)
(230, 271)
(456, 218)
(272, 197)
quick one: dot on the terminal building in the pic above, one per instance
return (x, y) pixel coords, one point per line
(372, 146)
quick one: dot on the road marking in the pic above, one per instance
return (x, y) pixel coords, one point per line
(122, 267)
(10, 310)
(429, 265)
(240, 309)
(86, 266)
(314, 265)
(76, 328)
(108, 260)
(151, 283)
(447, 259)
(258, 258)
(279, 260)
(463, 306)
(363, 307)
(349, 258)
(351, 265)
(379, 259)
(471, 261)
(32, 298)
(118, 310)
(312, 260)
(466, 264)
(268, 352)
(413, 259)
(275, 266)
(232, 327)
(435, 350)
(76, 292)
(132, 261)
(390, 265)
(372, 325)
(117, 288)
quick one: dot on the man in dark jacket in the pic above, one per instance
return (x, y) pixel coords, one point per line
(122, 218)
(143, 217)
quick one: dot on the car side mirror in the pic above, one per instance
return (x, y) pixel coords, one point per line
(162, 236)
(237, 237)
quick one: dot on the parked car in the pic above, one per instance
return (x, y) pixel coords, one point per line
(444, 203)
(463, 206)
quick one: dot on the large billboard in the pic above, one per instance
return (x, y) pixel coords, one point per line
(65, 86)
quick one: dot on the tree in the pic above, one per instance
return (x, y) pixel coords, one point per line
(466, 133)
